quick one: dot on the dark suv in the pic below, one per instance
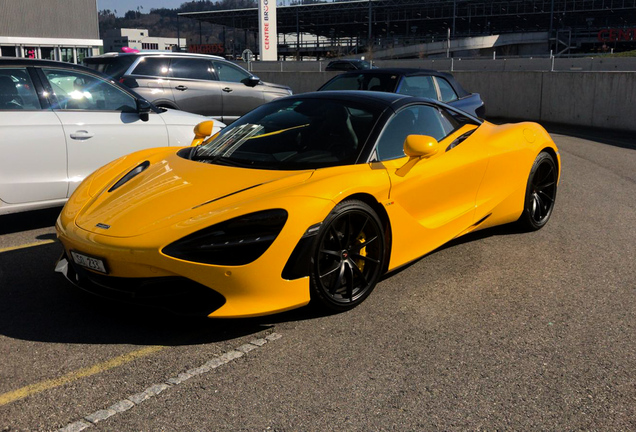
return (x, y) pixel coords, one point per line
(202, 84)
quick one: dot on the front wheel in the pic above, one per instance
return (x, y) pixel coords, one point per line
(348, 258)
(540, 193)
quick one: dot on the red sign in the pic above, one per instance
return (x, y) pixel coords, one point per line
(206, 48)
(617, 35)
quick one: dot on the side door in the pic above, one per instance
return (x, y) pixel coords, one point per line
(150, 79)
(32, 144)
(238, 98)
(195, 87)
(100, 120)
(436, 195)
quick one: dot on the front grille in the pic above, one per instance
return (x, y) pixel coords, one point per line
(177, 294)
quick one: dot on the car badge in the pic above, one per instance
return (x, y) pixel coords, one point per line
(102, 226)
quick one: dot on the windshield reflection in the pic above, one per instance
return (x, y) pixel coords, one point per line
(293, 134)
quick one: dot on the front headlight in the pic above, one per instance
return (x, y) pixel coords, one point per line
(237, 241)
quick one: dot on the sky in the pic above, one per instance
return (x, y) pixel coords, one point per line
(122, 6)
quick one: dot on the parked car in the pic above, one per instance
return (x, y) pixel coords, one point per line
(428, 83)
(311, 197)
(348, 65)
(198, 83)
(59, 122)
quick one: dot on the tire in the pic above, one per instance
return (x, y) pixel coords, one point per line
(541, 193)
(348, 257)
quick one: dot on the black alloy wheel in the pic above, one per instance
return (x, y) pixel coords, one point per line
(540, 193)
(348, 257)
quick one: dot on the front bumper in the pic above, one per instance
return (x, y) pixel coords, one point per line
(176, 294)
(255, 289)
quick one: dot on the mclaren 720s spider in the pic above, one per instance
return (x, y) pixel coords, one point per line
(307, 198)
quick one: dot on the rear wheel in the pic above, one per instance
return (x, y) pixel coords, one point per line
(348, 258)
(540, 193)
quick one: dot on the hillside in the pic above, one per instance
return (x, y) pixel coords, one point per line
(163, 22)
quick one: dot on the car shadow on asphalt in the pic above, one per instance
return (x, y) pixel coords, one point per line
(37, 304)
(27, 221)
(312, 312)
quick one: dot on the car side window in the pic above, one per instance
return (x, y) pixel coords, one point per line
(153, 66)
(17, 91)
(420, 86)
(188, 68)
(78, 91)
(229, 72)
(447, 92)
(412, 120)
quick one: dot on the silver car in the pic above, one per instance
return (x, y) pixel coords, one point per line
(198, 83)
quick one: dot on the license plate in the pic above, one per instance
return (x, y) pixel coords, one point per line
(89, 262)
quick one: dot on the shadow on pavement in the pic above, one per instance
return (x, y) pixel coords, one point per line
(37, 304)
(26, 221)
(501, 230)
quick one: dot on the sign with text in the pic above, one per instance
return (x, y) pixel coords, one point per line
(206, 48)
(268, 35)
(617, 35)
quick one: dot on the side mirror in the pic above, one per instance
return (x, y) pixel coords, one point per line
(202, 131)
(420, 146)
(251, 81)
(144, 108)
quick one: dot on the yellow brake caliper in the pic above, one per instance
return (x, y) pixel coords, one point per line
(363, 252)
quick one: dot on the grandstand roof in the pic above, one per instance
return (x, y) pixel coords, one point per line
(433, 17)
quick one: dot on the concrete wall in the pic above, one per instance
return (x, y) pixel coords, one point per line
(300, 82)
(587, 64)
(597, 99)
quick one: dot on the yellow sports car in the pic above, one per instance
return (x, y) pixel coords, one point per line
(308, 198)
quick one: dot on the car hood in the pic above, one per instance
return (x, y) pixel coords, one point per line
(172, 117)
(176, 190)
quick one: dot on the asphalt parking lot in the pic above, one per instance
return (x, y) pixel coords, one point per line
(499, 330)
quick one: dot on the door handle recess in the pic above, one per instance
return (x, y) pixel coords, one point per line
(81, 135)
(181, 87)
(227, 90)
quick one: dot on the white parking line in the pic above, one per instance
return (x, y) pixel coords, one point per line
(155, 389)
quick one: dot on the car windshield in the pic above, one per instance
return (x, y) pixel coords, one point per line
(363, 81)
(293, 134)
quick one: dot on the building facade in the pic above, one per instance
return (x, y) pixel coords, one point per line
(65, 30)
(116, 39)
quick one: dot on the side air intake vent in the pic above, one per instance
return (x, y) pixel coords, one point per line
(132, 173)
